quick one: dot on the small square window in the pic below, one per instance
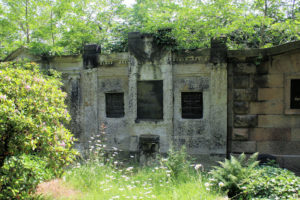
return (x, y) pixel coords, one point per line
(114, 105)
(192, 105)
(292, 94)
(295, 94)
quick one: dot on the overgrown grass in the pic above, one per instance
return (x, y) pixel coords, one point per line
(102, 176)
(98, 181)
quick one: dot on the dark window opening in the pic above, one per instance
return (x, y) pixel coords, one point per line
(150, 99)
(114, 105)
(192, 105)
(295, 94)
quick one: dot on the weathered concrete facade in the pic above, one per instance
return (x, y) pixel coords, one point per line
(123, 72)
(214, 101)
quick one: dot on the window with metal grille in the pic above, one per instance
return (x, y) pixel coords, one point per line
(295, 94)
(114, 105)
(192, 105)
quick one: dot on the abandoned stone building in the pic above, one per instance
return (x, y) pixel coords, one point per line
(214, 101)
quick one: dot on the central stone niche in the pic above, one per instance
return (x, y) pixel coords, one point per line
(150, 99)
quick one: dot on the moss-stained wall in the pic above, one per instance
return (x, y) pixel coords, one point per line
(259, 116)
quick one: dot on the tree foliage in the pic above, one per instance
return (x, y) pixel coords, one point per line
(62, 27)
(32, 116)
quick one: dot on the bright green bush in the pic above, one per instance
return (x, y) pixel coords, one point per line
(233, 174)
(272, 183)
(32, 116)
(241, 178)
(21, 174)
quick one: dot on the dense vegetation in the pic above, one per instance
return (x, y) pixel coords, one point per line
(242, 178)
(62, 27)
(108, 177)
(34, 143)
(175, 178)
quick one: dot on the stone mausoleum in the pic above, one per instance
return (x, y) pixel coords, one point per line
(214, 101)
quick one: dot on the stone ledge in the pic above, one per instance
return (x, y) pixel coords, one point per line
(267, 52)
(290, 162)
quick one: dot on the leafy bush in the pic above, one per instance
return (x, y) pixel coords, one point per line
(233, 174)
(21, 174)
(32, 116)
(242, 179)
(273, 183)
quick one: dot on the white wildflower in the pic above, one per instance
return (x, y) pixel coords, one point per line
(129, 169)
(221, 184)
(206, 184)
(198, 166)
(115, 148)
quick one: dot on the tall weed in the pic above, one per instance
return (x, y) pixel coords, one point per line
(170, 178)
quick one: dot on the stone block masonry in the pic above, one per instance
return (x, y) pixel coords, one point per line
(260, 95)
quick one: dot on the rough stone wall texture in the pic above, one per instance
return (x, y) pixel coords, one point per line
(258, 97)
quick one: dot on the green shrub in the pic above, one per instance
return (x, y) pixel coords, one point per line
(20, 175)
(233, 174)
(177, 163)
(32, 116)
(273, 183)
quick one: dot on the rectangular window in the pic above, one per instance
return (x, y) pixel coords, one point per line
(150, 99)
(192, 105)
(295, 94)
(114, 105)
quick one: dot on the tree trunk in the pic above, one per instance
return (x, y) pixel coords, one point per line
(262, 32)
(2, 158)
(52, 34)
(27, 24)
(293, 10)
(266, 8)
